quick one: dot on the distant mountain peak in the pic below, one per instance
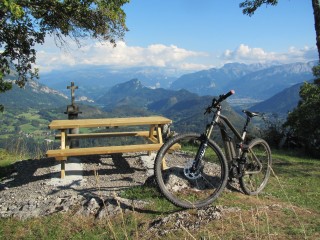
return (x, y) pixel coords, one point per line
(136, 83)
(133, 84)
(40, 88)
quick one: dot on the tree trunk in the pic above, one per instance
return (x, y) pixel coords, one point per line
(316, 13)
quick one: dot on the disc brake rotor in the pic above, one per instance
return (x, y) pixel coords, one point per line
(189, 173)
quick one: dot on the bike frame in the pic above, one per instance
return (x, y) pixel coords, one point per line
(229, 147)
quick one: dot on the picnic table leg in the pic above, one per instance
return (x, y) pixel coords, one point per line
(160, 140)
(159, 134)
(151, 130)
(63, 146)
(63, 169)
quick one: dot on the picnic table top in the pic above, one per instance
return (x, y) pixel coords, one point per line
(108, 122)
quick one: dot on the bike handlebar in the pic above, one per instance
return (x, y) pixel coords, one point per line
(216, 103)
(225, 96)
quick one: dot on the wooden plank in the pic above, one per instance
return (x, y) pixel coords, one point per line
(109, 134)
(108, 122)
(58, 153)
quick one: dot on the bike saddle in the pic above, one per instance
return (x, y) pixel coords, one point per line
(251, 114)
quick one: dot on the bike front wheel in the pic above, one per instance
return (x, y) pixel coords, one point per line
(257, 167)
(180, 184)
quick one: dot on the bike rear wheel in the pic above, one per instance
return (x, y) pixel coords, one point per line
(257, 167)
(180, 185)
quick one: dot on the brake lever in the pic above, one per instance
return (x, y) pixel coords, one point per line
(215, 102)
(208, 110)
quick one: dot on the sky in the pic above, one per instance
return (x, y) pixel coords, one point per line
(189, 35)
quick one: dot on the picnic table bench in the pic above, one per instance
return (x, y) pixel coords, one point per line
(153, 134)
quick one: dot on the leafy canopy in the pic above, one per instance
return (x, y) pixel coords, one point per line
(25, 23)
(305, 118)
(250, 6)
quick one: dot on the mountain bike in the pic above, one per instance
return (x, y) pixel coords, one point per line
(191, 170)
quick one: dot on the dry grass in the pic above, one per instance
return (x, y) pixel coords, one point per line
(259, 219)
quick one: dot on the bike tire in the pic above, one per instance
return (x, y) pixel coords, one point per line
(254, 183)
(171, 170)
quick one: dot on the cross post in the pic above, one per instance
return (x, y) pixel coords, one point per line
(73, 88)
(73, 111)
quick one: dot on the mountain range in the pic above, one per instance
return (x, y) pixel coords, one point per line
(183, 107)
(94, 81)
(131, 98)
(256, 81)
(253, 83)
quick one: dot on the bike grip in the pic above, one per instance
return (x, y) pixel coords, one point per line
(223, 97)
(231, 92)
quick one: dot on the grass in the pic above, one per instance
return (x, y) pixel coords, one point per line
(6, 158)
(288, 209)
(6, 161)
(293, 191)
(299, 177)
(29, 122)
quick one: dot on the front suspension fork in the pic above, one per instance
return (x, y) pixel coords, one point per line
(200, 153)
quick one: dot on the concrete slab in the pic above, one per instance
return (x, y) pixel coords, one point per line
(148, 163)
(74, 173)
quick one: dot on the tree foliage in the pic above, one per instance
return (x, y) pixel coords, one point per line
(305, 118)
(25, 23)
(273, 131)
(250, 6)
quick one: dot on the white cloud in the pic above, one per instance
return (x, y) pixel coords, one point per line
(179, 59)
(246, 54)
(122, 55)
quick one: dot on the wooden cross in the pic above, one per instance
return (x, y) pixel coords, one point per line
(73, 88)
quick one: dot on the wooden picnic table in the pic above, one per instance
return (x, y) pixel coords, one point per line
(153, 134)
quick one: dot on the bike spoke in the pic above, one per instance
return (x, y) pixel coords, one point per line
(257, 167)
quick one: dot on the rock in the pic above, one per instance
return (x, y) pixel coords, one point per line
(93, 205)
(102, 214)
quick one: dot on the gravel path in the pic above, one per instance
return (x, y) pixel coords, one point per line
(34, 188)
